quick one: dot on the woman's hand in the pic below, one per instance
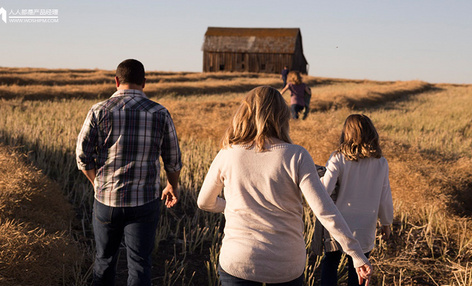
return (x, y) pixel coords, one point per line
(363, 274)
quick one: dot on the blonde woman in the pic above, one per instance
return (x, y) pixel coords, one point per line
(298, 92)
(364, 193)
(263, 177)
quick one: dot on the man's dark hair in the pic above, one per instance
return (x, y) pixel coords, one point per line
(130, 71)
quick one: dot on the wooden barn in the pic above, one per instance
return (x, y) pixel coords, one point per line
(261, 50)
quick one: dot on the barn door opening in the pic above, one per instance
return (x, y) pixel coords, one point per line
(242, 62)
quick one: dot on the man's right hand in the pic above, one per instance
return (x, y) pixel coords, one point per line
(171, 195)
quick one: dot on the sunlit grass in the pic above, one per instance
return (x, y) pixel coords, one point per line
(438, 123)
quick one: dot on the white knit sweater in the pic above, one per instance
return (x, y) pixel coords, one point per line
(263, 210)
(364, 194)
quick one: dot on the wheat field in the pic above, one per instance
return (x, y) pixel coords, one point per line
(425, 132)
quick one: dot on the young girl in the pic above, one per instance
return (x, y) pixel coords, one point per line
(263, 176)
(364, 191)
(298, 91)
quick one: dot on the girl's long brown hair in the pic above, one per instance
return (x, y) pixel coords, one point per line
(295, 77)
(359, 138)
(263, 114)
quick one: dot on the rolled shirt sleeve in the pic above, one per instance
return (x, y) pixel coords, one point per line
(86, 143)
(171, 154)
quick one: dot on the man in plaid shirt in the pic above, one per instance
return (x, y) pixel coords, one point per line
(118, 150)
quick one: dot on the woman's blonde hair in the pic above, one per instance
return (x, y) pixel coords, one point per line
(263, 114)
(295, 77)
(359, 138)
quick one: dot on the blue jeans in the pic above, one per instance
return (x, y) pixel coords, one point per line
(295, 109)
(230, 280)
(138, 226)
(329, 269)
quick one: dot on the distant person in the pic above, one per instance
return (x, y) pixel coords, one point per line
(263, 176)
(118, 149)
(284, 75)
(298, 90)
(364, 193)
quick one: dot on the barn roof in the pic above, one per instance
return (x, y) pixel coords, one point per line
(251, 40)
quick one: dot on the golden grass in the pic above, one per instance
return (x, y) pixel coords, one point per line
(425, 133)
(438, 123)
(36, 244)
(34, 76)
(363, 94)
(102, 90)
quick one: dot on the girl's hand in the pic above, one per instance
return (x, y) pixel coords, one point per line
(363, 274)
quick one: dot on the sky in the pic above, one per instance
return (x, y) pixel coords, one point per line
(386, 40)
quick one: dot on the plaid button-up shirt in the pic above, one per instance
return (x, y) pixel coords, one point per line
(123, 138)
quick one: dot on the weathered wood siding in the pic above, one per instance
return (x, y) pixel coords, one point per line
(246, 62)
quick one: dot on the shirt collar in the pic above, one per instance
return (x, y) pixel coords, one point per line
(129, 92)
